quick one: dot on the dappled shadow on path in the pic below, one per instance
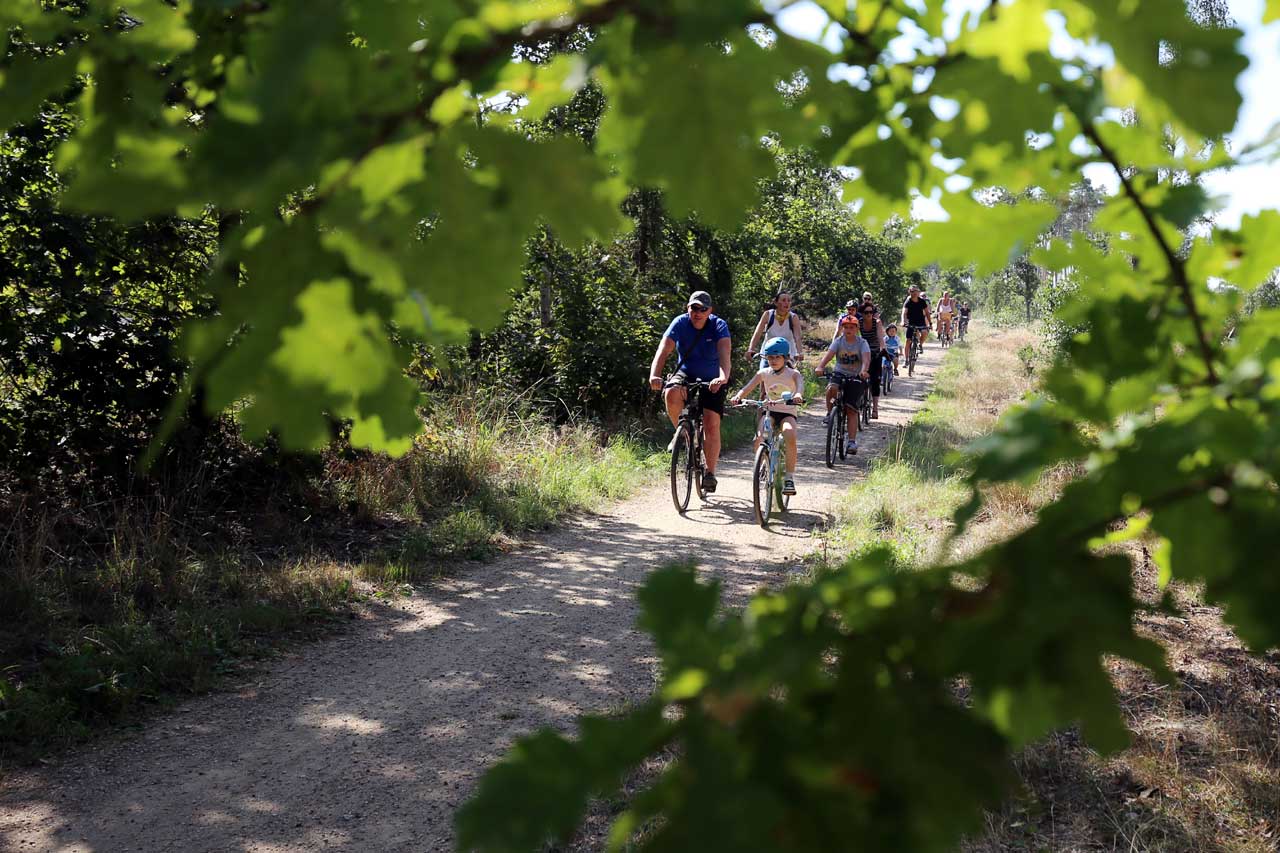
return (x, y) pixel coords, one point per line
(371, 741)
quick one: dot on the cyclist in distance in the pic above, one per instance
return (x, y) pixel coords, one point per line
(892, 345)
(778, 322)
(965, 311)
(946, 308)
(872, 329)
(848, 380)
(850, 310)
(702, 345)
(916, 317)
(777, 379)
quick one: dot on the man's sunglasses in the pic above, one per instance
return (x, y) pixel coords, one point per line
(699, 309)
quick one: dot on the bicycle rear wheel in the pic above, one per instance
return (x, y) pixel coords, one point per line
(762, 486)
(783, 499)
(700, 462)
(682, 468)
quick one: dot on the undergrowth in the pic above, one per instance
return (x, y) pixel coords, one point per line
(116, 605)
(1203, 772)
(907, 497)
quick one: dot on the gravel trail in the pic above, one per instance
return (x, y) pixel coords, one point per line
(369, 741)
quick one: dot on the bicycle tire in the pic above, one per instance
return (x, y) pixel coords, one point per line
(682, 468)
(700, 462)
(842, 427)
(784, 500)
(886, 371)
(833, 435)
(762, 486)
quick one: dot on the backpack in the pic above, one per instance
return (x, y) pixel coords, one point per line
(791, 320)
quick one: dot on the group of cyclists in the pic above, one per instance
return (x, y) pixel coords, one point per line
(860, 349)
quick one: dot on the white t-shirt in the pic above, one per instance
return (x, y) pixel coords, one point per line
(774, 384)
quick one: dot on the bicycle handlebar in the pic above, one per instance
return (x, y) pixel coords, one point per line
(764, 404)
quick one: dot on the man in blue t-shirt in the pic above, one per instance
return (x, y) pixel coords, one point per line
(702, 345)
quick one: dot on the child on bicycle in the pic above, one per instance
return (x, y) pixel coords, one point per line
(892, 344)
(849, 380)
(778, 379)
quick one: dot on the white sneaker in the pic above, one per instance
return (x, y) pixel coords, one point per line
(851, 446)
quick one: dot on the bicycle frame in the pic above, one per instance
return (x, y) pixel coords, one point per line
(771, 448)
(691, 448)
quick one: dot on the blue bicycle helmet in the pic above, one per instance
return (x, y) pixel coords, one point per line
(776, 346)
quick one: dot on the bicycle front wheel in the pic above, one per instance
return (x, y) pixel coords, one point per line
(682, 468)
(762, 486)
(833, 435)
(700, 463)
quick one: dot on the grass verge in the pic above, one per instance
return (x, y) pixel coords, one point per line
(1203, 772)
(107, 612)
(906, 500)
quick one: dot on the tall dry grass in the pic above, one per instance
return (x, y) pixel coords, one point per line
(907, 498)
(115, 604)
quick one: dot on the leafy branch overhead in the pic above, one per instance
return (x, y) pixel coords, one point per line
(375, 195)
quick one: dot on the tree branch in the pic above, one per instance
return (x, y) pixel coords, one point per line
(1176, 268)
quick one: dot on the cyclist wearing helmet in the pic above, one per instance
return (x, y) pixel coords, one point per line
(850, 310)
(778, 379)
(849, 379)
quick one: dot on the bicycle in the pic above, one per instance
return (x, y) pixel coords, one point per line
(944, 335)
(962, 328)
(688, 458)
(837, 427)
(767, 473)
(915, 349)
(886, 372)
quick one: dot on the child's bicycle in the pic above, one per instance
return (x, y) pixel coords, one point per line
(767, 473)
(886, 372)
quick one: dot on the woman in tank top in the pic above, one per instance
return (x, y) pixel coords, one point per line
(777, 322)
(946, 310)
(872, 329)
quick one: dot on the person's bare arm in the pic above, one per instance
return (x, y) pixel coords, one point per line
(866, 362)
(746, 389)
(659, 359)
(753, 347)
(724, 348)
(822, 363)
(880, 332)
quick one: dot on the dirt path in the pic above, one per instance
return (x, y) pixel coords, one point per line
(368, 742)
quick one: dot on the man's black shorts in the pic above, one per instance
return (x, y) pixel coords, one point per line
(711, 402)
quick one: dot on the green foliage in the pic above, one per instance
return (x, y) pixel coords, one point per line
(374, 207)
(80, 293)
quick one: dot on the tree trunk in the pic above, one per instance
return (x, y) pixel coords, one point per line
(544, 303)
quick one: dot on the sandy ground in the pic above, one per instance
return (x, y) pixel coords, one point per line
(369, 741)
